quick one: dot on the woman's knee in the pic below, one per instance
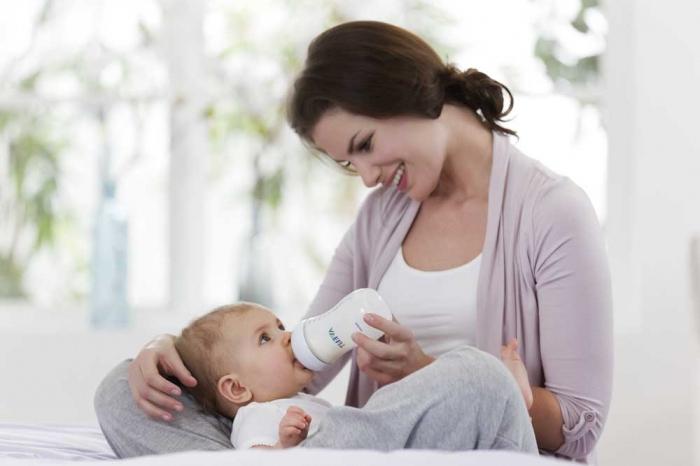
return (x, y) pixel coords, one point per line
(477, 371)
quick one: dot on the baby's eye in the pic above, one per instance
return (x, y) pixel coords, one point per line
(281, 327)
(264, 338)
(345, 164)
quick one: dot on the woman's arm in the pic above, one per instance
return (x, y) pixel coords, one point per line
(572, 283)
(546, 419)
(542, 405)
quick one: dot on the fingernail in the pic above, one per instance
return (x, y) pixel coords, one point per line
(178, 407)
(175, 391)
(369, 318)
(167, 417)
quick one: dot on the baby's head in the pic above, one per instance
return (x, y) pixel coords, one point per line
(240, 353)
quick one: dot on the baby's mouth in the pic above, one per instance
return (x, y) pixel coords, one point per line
(297, 363)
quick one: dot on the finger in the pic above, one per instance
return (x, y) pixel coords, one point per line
(153, 379)
(136, 382)
(297, 424)
(295, 409)
(509, 355)
(153, 411)
(366, 361)
(380, 377)
(510, 348)
(294, 418)
(505, 352)
(296, 413)
(390, 370)
(393, 329)
(375, 348)
(162, 401)
(290, 431)
(174, 366)
(141, 390)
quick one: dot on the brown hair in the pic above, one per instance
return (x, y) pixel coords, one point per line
(200, 347)
(379, 70)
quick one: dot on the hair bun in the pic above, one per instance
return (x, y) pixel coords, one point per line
(478, 91)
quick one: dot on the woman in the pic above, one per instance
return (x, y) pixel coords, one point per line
(468, 240)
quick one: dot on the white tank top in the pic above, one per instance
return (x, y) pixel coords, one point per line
(438, 306)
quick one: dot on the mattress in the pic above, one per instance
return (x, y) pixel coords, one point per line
(45, 444)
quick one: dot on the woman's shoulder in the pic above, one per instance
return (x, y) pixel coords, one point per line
(558, 209)
(543, 200)
(535, 184)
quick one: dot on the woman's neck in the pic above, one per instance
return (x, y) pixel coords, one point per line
(467, 166)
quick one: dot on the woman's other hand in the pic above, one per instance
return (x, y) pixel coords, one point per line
(511, 358)
(392, 357)
(152, 392)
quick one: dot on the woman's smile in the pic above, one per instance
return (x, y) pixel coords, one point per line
(398, 174)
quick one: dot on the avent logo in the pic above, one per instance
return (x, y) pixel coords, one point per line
(335, 338)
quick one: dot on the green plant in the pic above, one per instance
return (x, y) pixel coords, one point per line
(562, 65)
(27, 194)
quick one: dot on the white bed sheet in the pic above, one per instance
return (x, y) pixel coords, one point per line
(45, 445)
(52, 442)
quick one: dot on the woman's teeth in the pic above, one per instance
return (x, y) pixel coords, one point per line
(398, 175)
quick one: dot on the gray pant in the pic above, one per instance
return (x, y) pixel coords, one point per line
(465, 400)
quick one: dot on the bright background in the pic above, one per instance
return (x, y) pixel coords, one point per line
(178, 105)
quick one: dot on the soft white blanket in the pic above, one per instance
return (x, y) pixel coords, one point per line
(43, 445)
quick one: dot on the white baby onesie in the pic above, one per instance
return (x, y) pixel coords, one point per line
(258, 423)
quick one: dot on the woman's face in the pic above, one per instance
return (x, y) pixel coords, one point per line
(377, 148)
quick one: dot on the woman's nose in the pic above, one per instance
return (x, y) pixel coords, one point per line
(370, 175)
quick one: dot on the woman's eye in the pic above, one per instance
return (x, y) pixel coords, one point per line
(366, 146)
(345, 164)
(264, 338)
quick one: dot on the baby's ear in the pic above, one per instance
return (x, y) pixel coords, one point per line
(230, 387)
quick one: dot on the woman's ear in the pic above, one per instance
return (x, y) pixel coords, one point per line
(230, 387)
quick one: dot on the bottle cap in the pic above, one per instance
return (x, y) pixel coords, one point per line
(302, 351)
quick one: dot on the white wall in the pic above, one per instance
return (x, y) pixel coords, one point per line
(652, 71)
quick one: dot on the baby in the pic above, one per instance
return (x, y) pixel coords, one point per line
(242, 358)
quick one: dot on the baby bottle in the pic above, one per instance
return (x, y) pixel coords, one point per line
(319, 341)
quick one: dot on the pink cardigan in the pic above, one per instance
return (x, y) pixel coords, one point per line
(544, 279)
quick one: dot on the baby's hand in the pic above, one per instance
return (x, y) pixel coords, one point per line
(294, 427)
(511, 358)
